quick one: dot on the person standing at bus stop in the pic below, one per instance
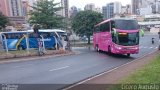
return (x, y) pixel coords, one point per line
(39, 40)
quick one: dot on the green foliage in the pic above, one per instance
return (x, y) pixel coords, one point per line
(3, 21)
(149, 74)
(44, 13)
(83, 23)
(146, 76)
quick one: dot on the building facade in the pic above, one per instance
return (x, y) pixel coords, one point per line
(90, 7)
(73, 11)
(65, 11)
(136, 4)
(117, 7)
(146, 7)
(4, 7)
(111, 10)
(98, 9)
(11, 8)
(108, 11)
(146, 10)
(24, 8)
(15, 11)
(156, 7)
(15, 7)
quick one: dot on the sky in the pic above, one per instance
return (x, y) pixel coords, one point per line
(98, 3)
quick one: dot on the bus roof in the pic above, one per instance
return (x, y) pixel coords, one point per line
(113, 20)
(15, 32)
(49, 30)
(41, 30)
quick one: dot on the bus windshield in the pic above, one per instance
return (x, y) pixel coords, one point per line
(126, 24)
(128, 39)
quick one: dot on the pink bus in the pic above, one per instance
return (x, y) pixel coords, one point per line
(118, 36)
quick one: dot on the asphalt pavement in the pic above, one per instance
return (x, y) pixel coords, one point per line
(59, 72)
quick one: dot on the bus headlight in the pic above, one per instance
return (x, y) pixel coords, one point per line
(135, 48)
(117, 47)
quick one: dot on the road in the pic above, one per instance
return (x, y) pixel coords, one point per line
(59, 72)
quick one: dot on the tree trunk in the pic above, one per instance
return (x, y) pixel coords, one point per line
(88, 39)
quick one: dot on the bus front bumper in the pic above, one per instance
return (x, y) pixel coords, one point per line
(123, 51)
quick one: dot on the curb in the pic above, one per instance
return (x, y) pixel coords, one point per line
(105, 72)
(35, 58)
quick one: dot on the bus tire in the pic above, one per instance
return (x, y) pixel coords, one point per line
(20, 48)
(58, 47)
(97, 48)
(128, 55)
(55, 48)
(109, 50)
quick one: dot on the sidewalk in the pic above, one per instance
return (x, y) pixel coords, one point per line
(15, 56)
(112, 77)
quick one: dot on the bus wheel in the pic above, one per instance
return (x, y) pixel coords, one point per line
(97, 48)
(128, 55)
(20, 48)
(56, 48)
(109, 49)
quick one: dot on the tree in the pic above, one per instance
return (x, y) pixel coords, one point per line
(83, 23)
(3, 21)
(44, 14)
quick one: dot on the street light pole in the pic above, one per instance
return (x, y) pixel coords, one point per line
(27, 43)
(5, 41)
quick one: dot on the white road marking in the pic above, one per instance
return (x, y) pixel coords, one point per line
(148, 47)
(23, 65)
(144, 47)
(59, 68)
(81, 82)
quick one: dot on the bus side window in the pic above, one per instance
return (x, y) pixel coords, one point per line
(43, 35)
(96, 29)
(5, 35)
(56, 35)
(9, 36)
(112, 27)
(31, 35)
(53, 34)
(101, 28)
(46, 35)
(105, 27)
(17, 35)
(12, 36)
(112, 24)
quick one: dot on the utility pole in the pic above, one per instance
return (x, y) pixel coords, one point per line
(65, 13)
